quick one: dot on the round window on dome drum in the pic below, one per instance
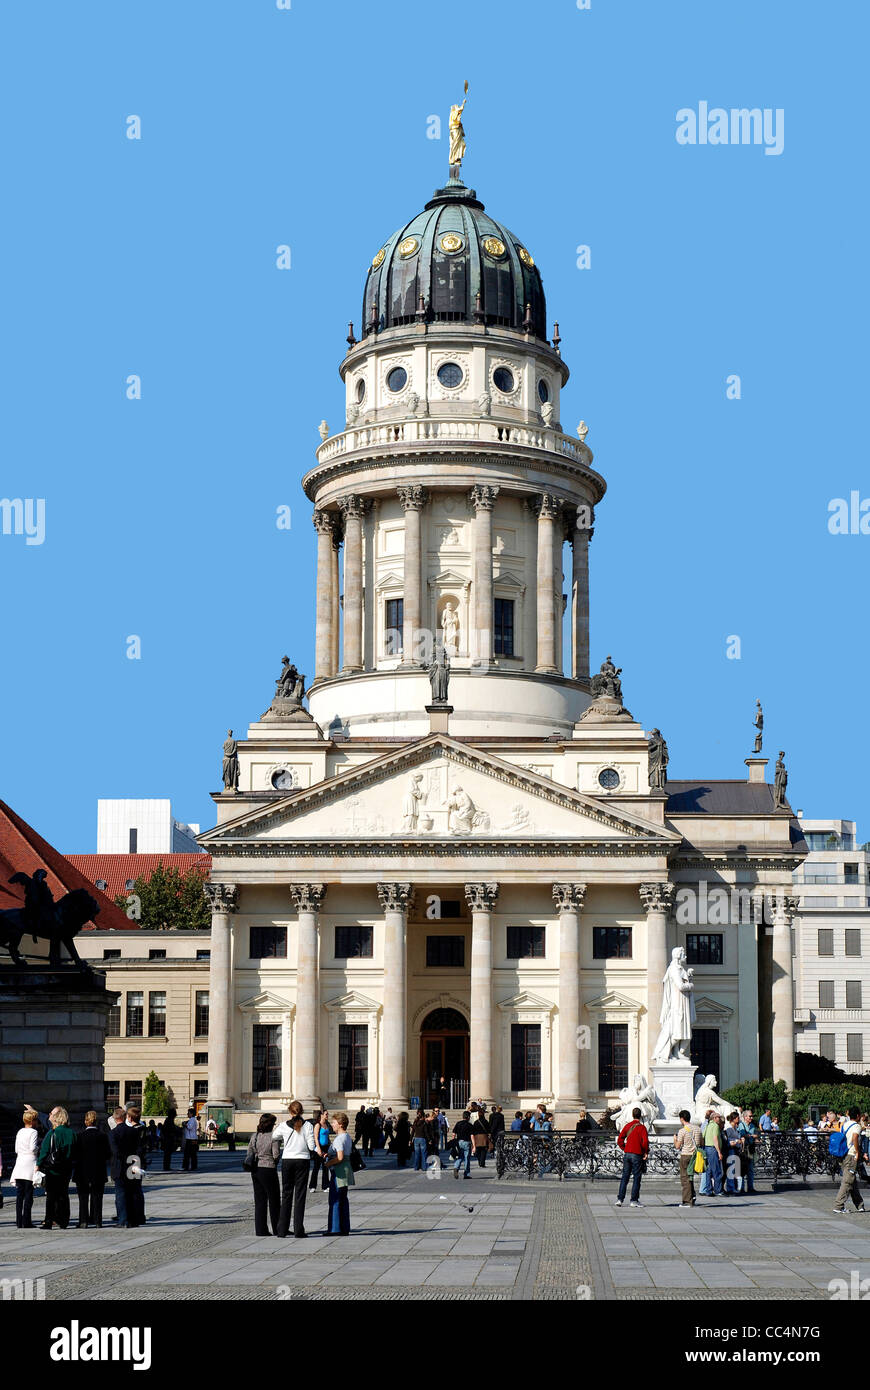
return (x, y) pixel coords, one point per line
(360, 391)
(543, 391)
(503, 380)
(608, 778)
(450, 374)
(397, 379)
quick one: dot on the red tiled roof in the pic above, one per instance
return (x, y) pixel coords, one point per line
(23, 851)
(116, 870)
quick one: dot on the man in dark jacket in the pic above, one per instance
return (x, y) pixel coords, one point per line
(170, 1139)
(496, 1123)
(92, 1156)
(128, 1143)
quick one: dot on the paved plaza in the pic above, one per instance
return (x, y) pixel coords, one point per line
(421, 1237)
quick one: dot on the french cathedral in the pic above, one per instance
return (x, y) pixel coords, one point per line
(455, 873)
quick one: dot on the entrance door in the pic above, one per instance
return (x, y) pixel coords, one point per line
(444, 1052)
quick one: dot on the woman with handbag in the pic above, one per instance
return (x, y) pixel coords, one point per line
(26, 1146)
(261, 1161)
(480, 1137)
(340, 1177)
(56, 1157)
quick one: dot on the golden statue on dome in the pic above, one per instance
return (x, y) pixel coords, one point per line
(457, 134)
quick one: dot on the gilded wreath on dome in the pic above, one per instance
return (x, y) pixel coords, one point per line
(524, 256)
(408, 246)
(493, 247)
(379, 258)
(451, 242)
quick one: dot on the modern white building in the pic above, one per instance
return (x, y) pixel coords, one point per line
(144, 826)
(832, 945)
(480, 887)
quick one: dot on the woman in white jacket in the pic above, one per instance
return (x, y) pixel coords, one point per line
(297, 1136)
(26, 1145)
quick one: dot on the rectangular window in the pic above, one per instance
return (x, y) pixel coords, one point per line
(353, 1057)
(705, 1050)
(133, 1093)
(503, 627)
(525, 1056)
(828, 1046)
(354, 942)
(854, 1047)
(853, 941)
(134, 840)
(611, 943)
(524, 943)
(612, 1056)
(267, 943)
(266, 1071)
(200, 1059)
(200, 1089)
(157, 1014)
(111, 955)
(445, 950)
(394, 621)
(793, 941)
(826, 994)
(112, 1093)
(135, 1013)
(704, 948)
(113, 1021)
(156, 955)
(853, 994)
(203, 955)
(826, 941)
(200, 1024)
(850, 873)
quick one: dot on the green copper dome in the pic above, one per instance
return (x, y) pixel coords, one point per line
(453, 263)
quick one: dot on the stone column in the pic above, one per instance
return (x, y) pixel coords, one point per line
(548, 508)
(580, 538)
(481, 898)
(325, 607)
(307, 899)
(482, 500)
(336, 622)
(785, 910)
(353, 509)
(413, 500)
(395, 899)
(657, 900)
(222, 899)
(569, 904)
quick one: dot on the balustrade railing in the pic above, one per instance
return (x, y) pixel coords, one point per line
(591, 1155)
(427, 429)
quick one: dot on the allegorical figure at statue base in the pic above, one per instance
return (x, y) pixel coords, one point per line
(638, 1096)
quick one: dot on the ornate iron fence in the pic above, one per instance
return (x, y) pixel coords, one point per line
(591, 1155)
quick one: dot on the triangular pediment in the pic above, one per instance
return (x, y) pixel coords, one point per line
(613, 1002)
(526, 1000)
(266, 1000)
(440, 789)
(711, 1009)
(352, 1000)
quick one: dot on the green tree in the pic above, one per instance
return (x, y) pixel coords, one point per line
(758, 1095)
(168, 900)
(155, 1097)
(832, 1096)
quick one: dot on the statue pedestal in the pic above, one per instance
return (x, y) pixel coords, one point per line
(439, 718)
(673, 1083)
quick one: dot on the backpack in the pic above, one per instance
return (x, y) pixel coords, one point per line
(839, 1142)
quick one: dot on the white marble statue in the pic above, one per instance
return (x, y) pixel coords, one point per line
(707, 1099)
(637, 1096)
(411, 804)
(678, 1011)
(450, 628)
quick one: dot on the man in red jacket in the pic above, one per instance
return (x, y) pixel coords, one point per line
(634, 1142)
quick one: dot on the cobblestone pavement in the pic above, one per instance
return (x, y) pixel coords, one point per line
(422, 1237)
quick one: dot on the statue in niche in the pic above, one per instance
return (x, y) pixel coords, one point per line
(450, 628)
(759, 726)
(439, 676)
(230, 771)
(658, 761)
(678, 1011)
(411, 804)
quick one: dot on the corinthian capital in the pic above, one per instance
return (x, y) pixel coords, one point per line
(308, 897)
(481, 897)
(483, 497)
(413, 498)
(222, 897)
(324, 522)
(657, 897)
(354, 507)
(568, 897)
(396, 897)
(547, 507)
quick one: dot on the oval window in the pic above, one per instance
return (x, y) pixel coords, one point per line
(397, 379)
(360, 390)
(543, 391)
(503, 379)
(450, 374)
(608, 778)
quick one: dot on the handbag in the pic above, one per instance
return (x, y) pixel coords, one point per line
(700, 1164)
(356, 1160)
(251, 1160)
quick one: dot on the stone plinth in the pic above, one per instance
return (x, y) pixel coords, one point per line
(673, 1083)
(52, 1039)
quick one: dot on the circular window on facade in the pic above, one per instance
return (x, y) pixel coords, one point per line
(608, 778)
(503, 379)
(450, 374)
(360, 391)
(284, 779)
(543, 391)
(397, 379)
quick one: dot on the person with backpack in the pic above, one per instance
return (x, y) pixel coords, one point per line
(846, 1145)
(633, 1140)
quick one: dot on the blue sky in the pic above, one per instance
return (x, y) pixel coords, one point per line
(263, 126)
